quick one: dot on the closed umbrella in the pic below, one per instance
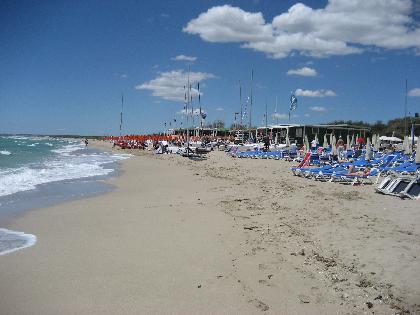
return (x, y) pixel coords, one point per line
(308, 148)
(334, 147)
(406, 146)
(418, 151)
(287, 141)
(348, 142)
(352, 140)
(325, 145)
(331, 140)
(368, 150)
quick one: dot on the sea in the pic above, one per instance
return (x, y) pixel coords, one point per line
(39, 171)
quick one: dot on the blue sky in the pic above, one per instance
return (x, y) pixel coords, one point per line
(64, 64)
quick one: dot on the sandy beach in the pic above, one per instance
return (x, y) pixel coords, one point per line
(218, 236)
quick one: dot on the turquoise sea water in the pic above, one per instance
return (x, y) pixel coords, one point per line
(41, 168)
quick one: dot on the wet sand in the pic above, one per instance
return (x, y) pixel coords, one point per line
(219, 236)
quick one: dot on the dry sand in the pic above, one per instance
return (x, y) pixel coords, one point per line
(219, 236)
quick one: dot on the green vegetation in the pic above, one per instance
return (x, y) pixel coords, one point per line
(395, 126)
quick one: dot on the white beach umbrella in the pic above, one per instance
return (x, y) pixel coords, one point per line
(287, 141)
(368, 149)
(374, 140)
(348, 142)
(325, 144)
(406, 146)
(331, 139)
(334, 147)
(316, 138)
(352, 140)
(418, 152)
(378, 141)
(308, 148)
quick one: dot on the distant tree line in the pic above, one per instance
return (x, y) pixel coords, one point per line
(395, 126)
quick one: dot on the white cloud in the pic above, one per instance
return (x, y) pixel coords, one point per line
(184, 58)
(414, 92)
(305, 72)
(170, 85)
(314, 93)
(123, 76)
(279, 116)
(318, 109)
(219, 109)
(342, 27)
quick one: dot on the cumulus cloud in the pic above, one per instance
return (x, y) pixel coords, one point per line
(279, 116)
(414, 92)
(342, 27)
(318, 109)
(184, 58)
(170, 85)
(304, 72)
(314, 93)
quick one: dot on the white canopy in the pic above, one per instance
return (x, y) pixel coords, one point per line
(391, 139)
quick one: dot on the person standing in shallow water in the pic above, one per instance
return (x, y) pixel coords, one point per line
(86, 142)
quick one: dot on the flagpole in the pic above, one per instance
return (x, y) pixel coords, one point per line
(250, 106)
(405, 110)
(188, 100)
(240, 100)
(121, 114)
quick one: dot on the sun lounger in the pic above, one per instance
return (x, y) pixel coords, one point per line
(412, 190)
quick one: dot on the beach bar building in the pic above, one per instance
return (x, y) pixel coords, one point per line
(297, 132)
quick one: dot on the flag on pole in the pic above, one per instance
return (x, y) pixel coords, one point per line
(293, 102)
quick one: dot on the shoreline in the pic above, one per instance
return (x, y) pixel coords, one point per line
(49, 194)
(217, 236)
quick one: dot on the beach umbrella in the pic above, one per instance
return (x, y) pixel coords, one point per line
(418, 151)
(316, 139)
(333, 146)
(348, 142)
(331, 140)
(308, 148)
(352, 140)
(325, 145)
(287, 141)
(368, 155)
(406, 146)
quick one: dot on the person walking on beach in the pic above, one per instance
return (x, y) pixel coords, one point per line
(86, 142)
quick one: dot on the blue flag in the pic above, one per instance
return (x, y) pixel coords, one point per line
(293, 102)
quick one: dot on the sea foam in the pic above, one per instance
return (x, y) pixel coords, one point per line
(5, 152)
(11, 241)
(64, 166)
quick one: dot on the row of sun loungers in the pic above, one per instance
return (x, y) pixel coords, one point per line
(400, 172)
(361, 171)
